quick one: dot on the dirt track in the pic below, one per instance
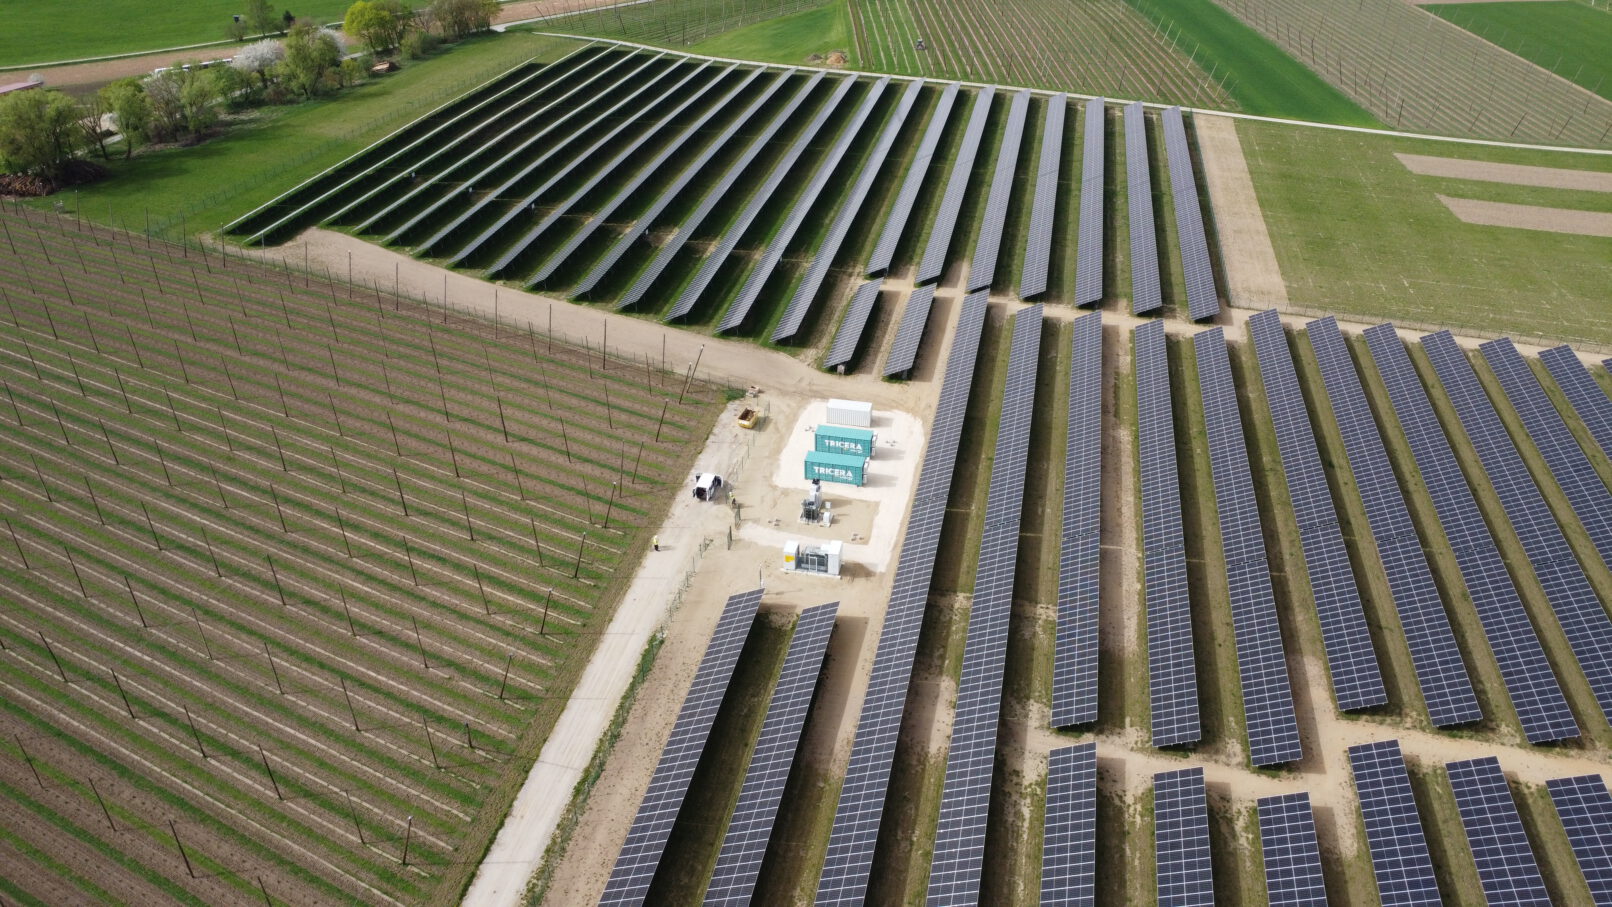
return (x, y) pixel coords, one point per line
(1529, 217)
(1516, 174)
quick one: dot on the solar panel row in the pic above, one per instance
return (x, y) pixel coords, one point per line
(965, 797)
(1572, 470)
(1203, 301)
(1399, 856)
(608, 208)
(1044, 201)
(851, 842)
(1571, 597)
(719, 194)
(1505, 860)
(910, 332)
(1440, 672)
(1585, 809)
(933, 263)
(1146, 296)
(648, 216)
(1089, 248)
(1291, 851)
(640, 855)
(738, 863)
(1182, 866)
(1273, 729)
(896, 221)
(1172, 675)
(982, 269)
(1357, 681)
(1069, 842)
(1534, 691)
(1591, 403)
(846, 339)
(1075, 652)
(806, 293)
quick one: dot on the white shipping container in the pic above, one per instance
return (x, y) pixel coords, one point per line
(850, 412)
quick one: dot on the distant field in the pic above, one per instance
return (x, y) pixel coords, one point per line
(1569, 39)
(1365, 238)
(676, 23)
(789, 39)
(72, 29)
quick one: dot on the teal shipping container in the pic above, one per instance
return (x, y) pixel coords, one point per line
(838, 439)
(832, 467)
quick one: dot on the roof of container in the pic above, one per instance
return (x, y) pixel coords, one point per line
(835, 459)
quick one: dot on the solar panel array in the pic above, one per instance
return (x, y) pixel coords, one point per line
(718, 193)
(1075, 653)
(1146, 296)
(982, 269)
(965, 797)
(817, 268)
(1571, 597)
(1089, 248)
(646, 218)
(1182, 865)
(1203, 300)
(1399, 856)
(1273, 729)
(933, 263)
(1572, 470)
(867, 778)
(896, 221)
(1527, 674)
(1590, 403)
(1505, 860)
(1292, 853)
(608, 208)
(646, 839)
(1172, 675)
(738, 864)
(849, 335)
(1069, 844)
(1044, 201)
(1585, 809)
(1357, 681)
(910, 332)
(1440, 672)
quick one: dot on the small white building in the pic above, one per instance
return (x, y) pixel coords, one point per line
(819, 557)
(850, 412)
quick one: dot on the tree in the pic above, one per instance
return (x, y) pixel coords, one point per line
(310, 53)
(458, 18)
(127, 101)
(167, 118)
(92, 113)
(260, 18)
(378, 23)
(198, 98)
(39, 132)
(260, 59)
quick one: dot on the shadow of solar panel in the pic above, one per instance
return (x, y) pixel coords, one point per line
(901, 209)
(1075, 652)
(1069, 844)
(1172, 676)
(1044, 201)
(1146, 295)
(1500, 848)
(1440, 672)
(1357, 681)
(1585, 808)
(640, 855)
(982, 268)
(933, 263)
(1291, 852)
(738, 864)
(1273, 730)
(965, 798)
(1589, 402)
(645, 219)
(1399, 855)
(1203, 301)
(910, 332)
(1089, 247)
(849, 858)
(1527, 674)
(1572, 470)
(847, 338)
(559, 256)
(1182, 866)
(806, 293)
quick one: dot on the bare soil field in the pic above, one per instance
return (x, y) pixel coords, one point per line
(1529, 217)
(1516, 174)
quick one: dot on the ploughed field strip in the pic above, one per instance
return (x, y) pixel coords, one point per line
(300, 568)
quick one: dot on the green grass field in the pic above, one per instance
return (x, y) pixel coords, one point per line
(1567, 38)
(74, 29)
(1261, 77)
(1364, 238)
(789, 39)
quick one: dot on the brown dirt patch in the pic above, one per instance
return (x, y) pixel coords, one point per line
(1253, 277)
(1529, 217)
(1515, 174)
